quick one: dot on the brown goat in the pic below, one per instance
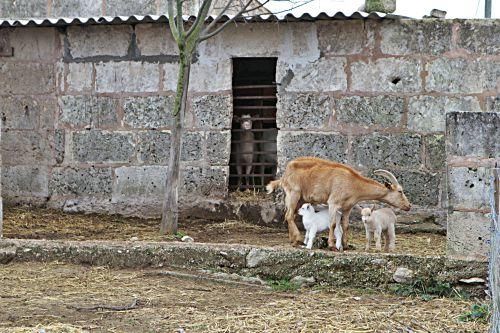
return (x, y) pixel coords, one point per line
(317, 181)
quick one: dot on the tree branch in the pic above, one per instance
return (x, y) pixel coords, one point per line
(180, 22)
(171, 21)
(221, 13)
(206, 34)
(202, 14)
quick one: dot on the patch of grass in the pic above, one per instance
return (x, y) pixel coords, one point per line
(428, 289)
(179, 234)
(283, 285)
(478, 312)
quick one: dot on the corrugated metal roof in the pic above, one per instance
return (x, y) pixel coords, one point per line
(54, 22)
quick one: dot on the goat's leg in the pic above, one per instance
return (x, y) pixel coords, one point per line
(248, 171)
(368, 239)
(291, 201)
(378, 236)
(239, 171)
(307, 235)
(312, 235)
(338, 233)
(345, 227)
(332, 212)
(390, 243)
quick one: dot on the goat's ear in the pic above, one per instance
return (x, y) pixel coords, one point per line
(388, 185)
(372, 207)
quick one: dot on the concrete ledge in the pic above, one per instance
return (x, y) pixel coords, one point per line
(337, 269)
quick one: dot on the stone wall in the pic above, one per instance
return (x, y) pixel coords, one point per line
(473, 148)
(86, 108)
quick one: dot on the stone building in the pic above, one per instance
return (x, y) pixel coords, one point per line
(86, 104)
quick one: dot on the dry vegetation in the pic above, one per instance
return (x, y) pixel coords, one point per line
(63, 298)
(51, 224)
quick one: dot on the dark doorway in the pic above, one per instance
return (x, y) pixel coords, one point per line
(253, 148)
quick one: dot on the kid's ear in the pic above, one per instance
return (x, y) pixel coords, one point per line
(372, 206)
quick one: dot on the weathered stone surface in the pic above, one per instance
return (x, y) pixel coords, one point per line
(468, 235)
(303, 110)
(94, 40)
(127, 76)
(146, 183)
(325, 145)
(303, 45)
(383, 6)
(388, 150)
(255, 257)
(26, 113)
(153, 39)
(421, 188)
(203, 181)
(192, 143)
(26, 147)
(356, 270)
(85, 110)
(23, 9)
(324, 75)
(76, 8)
(80, 181)
(34, 44)
(435, 155)
(103, 146)
(386, 75)
(153, 147)
(473, 134)
(427, 113)
(480, 36)
(303, 281)
(212, 111)
(493, 103)
(148, 112)
(126, 8)
(383, 111)
(207, 76)
(460, 75)
(341, 37)
(79, 77)
(229, 41)
(415, 36)
(170, 75)
(24, 181)
(403, 275)
(59, 145)
(218, 147)
(469, 188)
(26, 78)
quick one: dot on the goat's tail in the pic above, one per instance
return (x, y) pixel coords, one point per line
(273, 184)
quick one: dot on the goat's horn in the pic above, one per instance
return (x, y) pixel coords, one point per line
(388, 175)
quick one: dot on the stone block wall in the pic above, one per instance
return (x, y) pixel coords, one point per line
(87, 108)
(473, 149)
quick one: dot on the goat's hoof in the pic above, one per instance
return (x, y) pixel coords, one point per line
(298, 244)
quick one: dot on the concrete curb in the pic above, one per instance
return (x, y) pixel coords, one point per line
(336, 269)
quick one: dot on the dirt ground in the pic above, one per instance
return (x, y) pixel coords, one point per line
(59, 297)
(21, 222)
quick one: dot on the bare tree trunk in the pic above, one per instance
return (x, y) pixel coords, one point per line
(495, 253)
(170, 212)
(1, 202)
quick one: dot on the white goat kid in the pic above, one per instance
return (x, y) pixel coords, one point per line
(315, 222)
(376, 222)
